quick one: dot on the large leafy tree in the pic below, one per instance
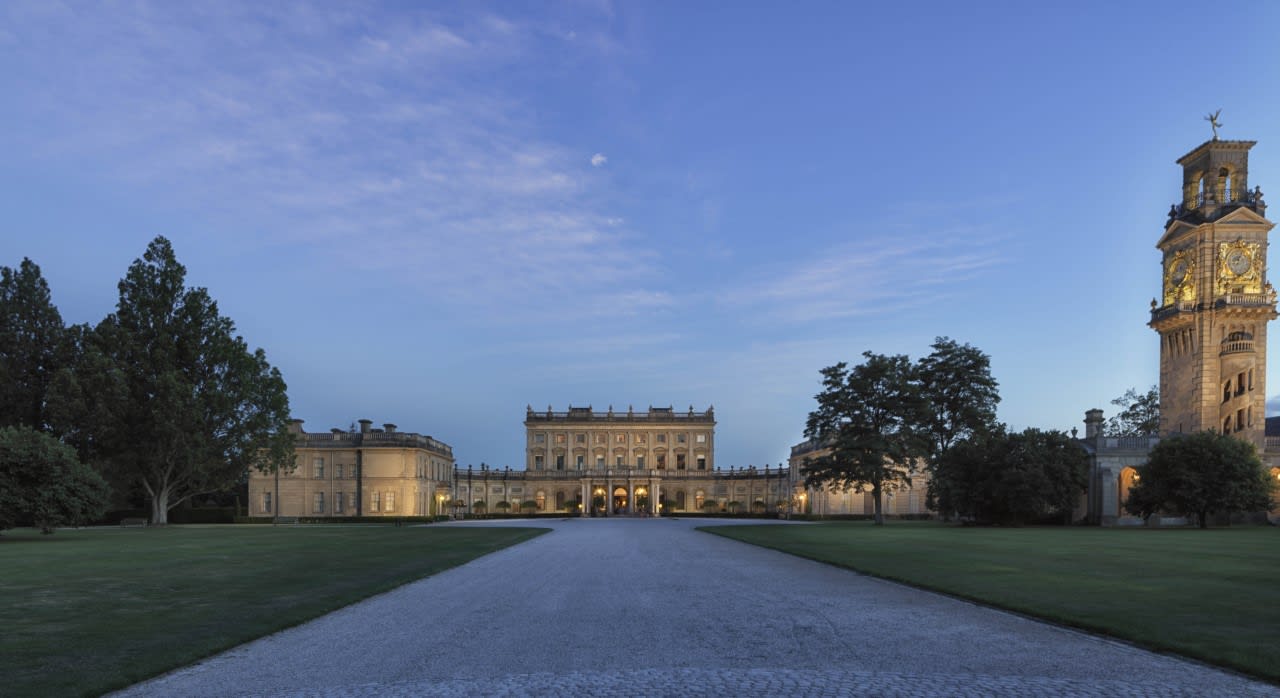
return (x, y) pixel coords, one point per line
(43, 483)
(997, 477)
(33, 345)
(172, 399)
(1139, 413)
(962, 395)
(1201, 474)
(868, 419)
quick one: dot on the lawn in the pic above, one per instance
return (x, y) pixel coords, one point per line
(92, 610)
(1212, 595)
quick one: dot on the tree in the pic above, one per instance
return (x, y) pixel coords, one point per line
(178, 403)
(42, 482)
(1139, 414)
(33, 345)
(868, 419)
(956, 381)
(1201, 474)
(997, 477)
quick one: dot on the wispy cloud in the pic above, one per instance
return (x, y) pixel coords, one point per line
(338, 132)
(598, 160)
(867, 277)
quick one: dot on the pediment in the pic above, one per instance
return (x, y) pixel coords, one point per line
(1243, 215)
(1175, 230)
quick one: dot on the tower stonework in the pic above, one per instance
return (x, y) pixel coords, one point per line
(1215, 299)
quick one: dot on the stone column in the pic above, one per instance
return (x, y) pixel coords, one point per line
(631, 497)
(586, 496)
(655, 496)
(608, 494)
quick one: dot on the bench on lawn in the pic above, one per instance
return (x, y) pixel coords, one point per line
(133, 521)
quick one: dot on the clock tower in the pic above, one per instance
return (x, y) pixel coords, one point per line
(1215, 300)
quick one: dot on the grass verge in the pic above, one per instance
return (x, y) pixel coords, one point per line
(1211, 595)
(94, 610)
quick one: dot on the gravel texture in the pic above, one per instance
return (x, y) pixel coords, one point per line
(632, 607)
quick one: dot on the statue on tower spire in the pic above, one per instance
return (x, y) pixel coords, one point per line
(1214, 123)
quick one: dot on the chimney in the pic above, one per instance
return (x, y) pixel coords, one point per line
(364, 425)
(391, 428)
(295, 426)
(1092, 423)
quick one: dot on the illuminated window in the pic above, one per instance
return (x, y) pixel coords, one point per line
(702, 438)
(374, 500)
(391, 501)
(559, 438)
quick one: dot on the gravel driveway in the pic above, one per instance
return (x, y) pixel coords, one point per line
(632, 607)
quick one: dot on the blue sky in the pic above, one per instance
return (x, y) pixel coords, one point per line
(435, 215)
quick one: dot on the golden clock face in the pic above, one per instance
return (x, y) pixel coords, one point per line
(1238, 262)
(1179, 274)
(1239, 267)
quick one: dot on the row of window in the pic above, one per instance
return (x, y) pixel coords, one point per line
(426, 468)
(1243, 420)
(378, 502)
(639, 438)
(1243, 382)
(660, 462)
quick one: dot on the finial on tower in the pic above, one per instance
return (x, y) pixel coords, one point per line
(1214, 123)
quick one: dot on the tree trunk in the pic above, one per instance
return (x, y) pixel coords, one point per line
(160, 507)
(1204, 519)
(876, 494)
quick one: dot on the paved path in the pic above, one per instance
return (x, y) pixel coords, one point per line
(652, 607)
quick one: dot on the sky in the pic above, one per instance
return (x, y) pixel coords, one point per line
(435, 215)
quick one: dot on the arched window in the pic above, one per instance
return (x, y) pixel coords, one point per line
(1128, 478)
(542, 500)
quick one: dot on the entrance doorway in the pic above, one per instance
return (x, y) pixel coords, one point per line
(620, 502)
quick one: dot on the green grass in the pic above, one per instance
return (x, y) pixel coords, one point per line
(83, 612)
(1212, 595)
